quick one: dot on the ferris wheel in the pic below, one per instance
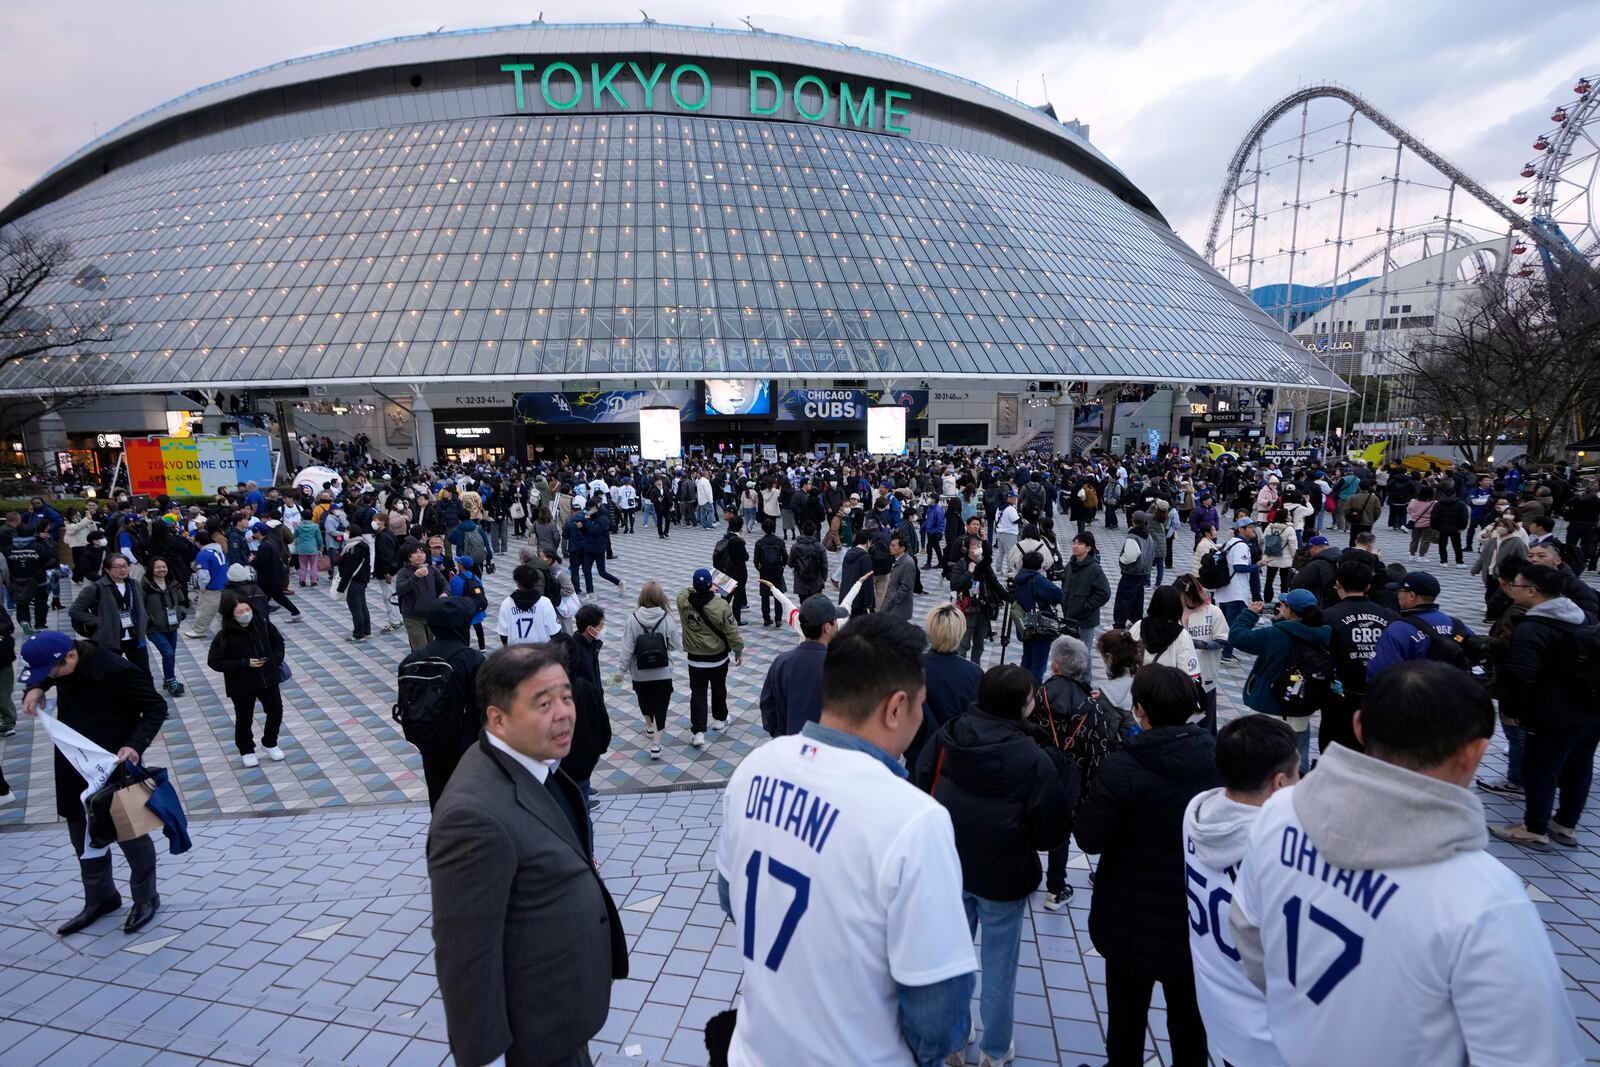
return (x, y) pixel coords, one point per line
(1562, 203)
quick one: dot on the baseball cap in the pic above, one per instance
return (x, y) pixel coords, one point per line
(1317, 540)
(702, 580)
(1421, 583)
(259, 527)
(817, 611)
(467, 561)
(40, 652)
(1300, 600)
(1242, 521)
(1141, 516)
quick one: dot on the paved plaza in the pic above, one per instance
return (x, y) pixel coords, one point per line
(297, 930)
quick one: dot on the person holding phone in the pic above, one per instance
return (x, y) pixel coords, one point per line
(248, 653)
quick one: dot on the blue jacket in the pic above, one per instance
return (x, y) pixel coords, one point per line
(165, 804)
(792, 694)
(1271, 646)
(933, 522)
(1033, 589)
(1403, 640)
(597, 533)
(952, 686)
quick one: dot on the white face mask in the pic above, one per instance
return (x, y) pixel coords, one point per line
(599, 633)
(244, 618)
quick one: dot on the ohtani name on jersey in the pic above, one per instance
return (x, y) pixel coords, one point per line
(1370, 891)
(792, 809)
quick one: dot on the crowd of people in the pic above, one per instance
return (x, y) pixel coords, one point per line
(915, 792)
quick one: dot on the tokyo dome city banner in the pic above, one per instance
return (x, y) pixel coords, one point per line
(192, 466)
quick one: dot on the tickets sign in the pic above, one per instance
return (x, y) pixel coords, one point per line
(194, 466)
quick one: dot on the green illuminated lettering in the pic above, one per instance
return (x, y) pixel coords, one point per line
(517, 70)
(603, 82)
(890, 111)
(757, 76)
(577, 86)
(822, 87)
(649, 85)
(850, 114)
(705, 87)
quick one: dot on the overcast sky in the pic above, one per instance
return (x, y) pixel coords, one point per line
(1167, 88)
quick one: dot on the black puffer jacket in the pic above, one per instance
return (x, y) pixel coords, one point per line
(1008, 798)
(1133, 818)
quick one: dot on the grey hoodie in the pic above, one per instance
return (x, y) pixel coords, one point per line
(1348, 809)
(1219, 827)
(1562, 609)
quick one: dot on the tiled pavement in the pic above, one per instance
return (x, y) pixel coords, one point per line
(304, 938)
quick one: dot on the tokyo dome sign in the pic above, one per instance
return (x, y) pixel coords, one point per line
(627, 85)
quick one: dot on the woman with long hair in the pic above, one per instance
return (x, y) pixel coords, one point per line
(1163, 635)
(650, 664)
(1208, 630)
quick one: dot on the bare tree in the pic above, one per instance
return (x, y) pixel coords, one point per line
(1516, 360)
(51, 354)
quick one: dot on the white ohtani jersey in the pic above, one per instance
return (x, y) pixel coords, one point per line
(1439, 963)
(843, 880)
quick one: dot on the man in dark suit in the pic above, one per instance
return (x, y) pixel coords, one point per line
(527, 940)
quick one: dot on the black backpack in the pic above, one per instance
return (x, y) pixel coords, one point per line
(720, 556)
(1470, 654)
(809, 567)
(770, 555)
(428, 709)
(650, 648)
(1307, 680)
(474, 588)
(1214, 570)
(1582, 664)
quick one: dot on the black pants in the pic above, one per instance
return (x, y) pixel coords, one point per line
(1453, 538)
(437, 767)
(1361, 528)
(932, 550)
(1560, 755)
(136, 654)
(1581, 536)
(1285, 573)
(282, 599)
(700, 680)
(1397, 516)
(1055, 871)
(663, 519)
(244, 714)
(1128, 991)
(654, 699)
(355, 597)
(39, 603)
(771, 608)
(98, 885)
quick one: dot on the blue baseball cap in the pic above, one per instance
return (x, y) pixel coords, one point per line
(1317, 540)
(702, 580)
(1421, 583)
(1300, 600)
(41, 652)
(1242, 521)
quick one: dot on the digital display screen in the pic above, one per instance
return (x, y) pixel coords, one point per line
(660, 435)
(886, 431)
(737, 396)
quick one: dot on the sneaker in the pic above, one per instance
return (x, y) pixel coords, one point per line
(27, 629)
(191, 633)
(1504, 787)
(987, 1060)
(698, 740)
(1057, 901)
(717, 725)
(1518, 834)
(275, 754)
(1563, 835)
(7, 798)
(10, 731)
(655, 750)
(249, 759)
(958, 1056)
(296, 618)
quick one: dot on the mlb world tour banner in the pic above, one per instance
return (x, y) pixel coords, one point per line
(195, 466)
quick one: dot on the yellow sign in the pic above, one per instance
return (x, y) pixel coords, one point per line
(180, 462)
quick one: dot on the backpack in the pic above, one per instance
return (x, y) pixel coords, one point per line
(1570, 556)
(1086, 742)
(1214, 570)
(428, 709)
(473, 544)
(1470, 654)
(1090, 498)
(650, 648)
(770, 555)
(473, 588)
(1033, 499)
(1583, 670)
(808, 569)
(1307, 681)
(1273, 544)
(721, 555)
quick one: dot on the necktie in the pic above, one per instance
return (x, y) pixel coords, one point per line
(560, 797)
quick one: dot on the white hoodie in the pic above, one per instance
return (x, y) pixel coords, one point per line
(1215, 832)
(1384, 933)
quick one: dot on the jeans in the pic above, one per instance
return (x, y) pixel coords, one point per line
(1002, 941)
(1516, 745)
(749, 516)
(1231, 610)
(1558, 756)
(706, 515)
(1035, 657)
(244, 711)
(593, 561)
(701, 679)
(1086, 635)
(1003, 544)
(166, 643)
(649, 512)
(1128, 991)
(355, 595)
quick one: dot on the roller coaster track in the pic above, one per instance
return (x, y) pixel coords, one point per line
(1546, 241)
(1451, 239)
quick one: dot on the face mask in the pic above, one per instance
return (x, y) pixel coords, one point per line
(599, 633)
(377, 526)
(244, 618)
